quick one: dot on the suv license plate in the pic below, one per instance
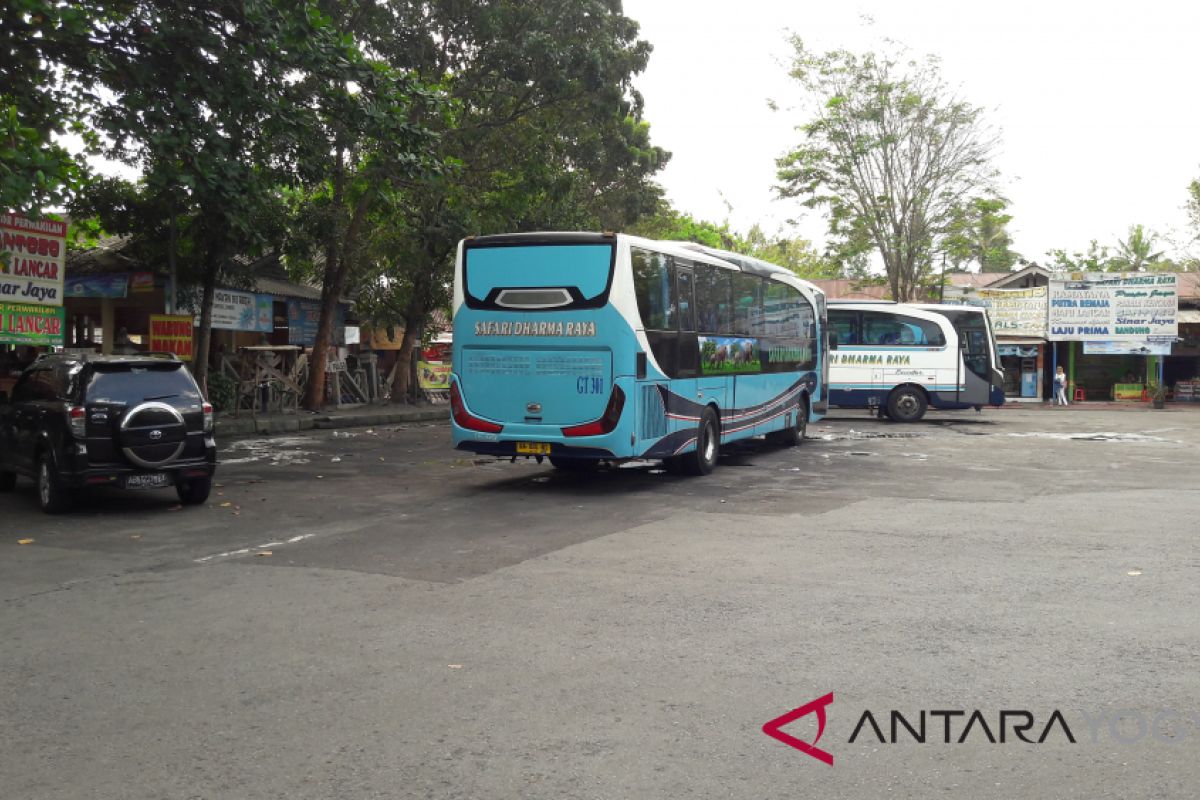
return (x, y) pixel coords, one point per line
(534, 448)
(155, 480)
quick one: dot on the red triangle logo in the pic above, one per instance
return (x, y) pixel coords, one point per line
(773, 728)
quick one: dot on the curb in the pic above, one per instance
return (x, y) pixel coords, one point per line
(234, 427)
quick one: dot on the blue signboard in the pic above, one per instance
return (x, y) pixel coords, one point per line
(304, 316)
(96, 286)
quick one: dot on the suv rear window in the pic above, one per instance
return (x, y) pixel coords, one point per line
(113, 383)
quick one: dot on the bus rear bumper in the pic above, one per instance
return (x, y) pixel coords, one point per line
(557, 450)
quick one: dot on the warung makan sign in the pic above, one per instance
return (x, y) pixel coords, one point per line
(1095, 306)
(21, 323)
(171, 334)
(32, 253)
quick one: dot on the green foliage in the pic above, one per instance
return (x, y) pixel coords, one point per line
(222, 392)
(1136, 253)
(978, 234)
(45, 63)
(1097, 259)
(889, 151)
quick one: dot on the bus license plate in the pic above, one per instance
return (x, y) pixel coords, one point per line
(155, 480)
(534, 448)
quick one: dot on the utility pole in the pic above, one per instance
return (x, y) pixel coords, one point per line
(942, 285)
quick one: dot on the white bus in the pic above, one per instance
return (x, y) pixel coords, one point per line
(905, 358)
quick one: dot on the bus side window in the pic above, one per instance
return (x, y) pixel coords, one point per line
(687, 319)
(712, 299)
(845, 323)
(654, 285)
(747, 302)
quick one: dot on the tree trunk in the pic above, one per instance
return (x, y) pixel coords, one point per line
(402, 386)
(338, 262)
(204, 336)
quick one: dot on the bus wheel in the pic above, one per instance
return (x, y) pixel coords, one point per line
(793, 436)
(906, 404)
(574, 464)
(708, 446)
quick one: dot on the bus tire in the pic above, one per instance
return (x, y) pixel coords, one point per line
(906, 404)
(703, 459)
(793, 436)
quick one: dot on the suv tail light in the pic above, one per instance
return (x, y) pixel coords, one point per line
(606, 424)
(464, 418)
(77, 419)
(208, 418)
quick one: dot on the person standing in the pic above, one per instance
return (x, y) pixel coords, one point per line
(1060, 387)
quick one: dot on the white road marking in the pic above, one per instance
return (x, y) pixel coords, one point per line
(247, 550)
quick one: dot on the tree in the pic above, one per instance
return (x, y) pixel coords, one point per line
(890, 151)
(1136, 253)
(541, 129)
(790, 252)
(978, 233)
(372, 140)
(45, 49)
(1096, 259)
(669, 224)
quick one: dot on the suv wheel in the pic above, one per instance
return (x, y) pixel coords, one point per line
(193, 491)
(52, 495)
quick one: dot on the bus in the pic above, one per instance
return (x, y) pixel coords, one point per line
(592, 347)
(903, 359)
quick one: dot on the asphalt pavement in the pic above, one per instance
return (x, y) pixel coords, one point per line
(367, 613)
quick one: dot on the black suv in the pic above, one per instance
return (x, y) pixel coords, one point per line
(135, 422)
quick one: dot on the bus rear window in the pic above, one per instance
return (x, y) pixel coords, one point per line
(537, 277)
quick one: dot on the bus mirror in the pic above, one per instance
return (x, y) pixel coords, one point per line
(833, 340)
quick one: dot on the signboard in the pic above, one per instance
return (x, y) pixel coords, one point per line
(21, 323)
(142, 282)
(32, 253)
(97, 286)
(1098, 306)
(378, 338)
(1133, 347)
(241, 311)
(304, 316)
(1018, 350)
(432, 376)
(353, 335)
(1015, 312)
(170, 333)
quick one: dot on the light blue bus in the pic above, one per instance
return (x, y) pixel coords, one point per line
(587, 347)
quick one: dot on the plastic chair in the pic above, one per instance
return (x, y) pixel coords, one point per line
(1080, 393)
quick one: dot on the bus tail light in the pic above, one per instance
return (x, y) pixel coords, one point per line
(466, 419)
(606, 424)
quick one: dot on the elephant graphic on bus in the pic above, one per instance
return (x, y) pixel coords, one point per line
(727, 355)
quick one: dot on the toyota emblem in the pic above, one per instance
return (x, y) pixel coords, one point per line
(156, 435)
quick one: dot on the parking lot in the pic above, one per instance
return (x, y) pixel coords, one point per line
(367, 613)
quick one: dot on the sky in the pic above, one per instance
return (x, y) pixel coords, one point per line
(1096, 103)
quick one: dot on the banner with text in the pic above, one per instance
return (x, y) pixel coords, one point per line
(97, 286)
(21, 323)
(171, 333)
(1131, 306)
(32, 253)
(241, 311)
(304, 317)
(1016, 312)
